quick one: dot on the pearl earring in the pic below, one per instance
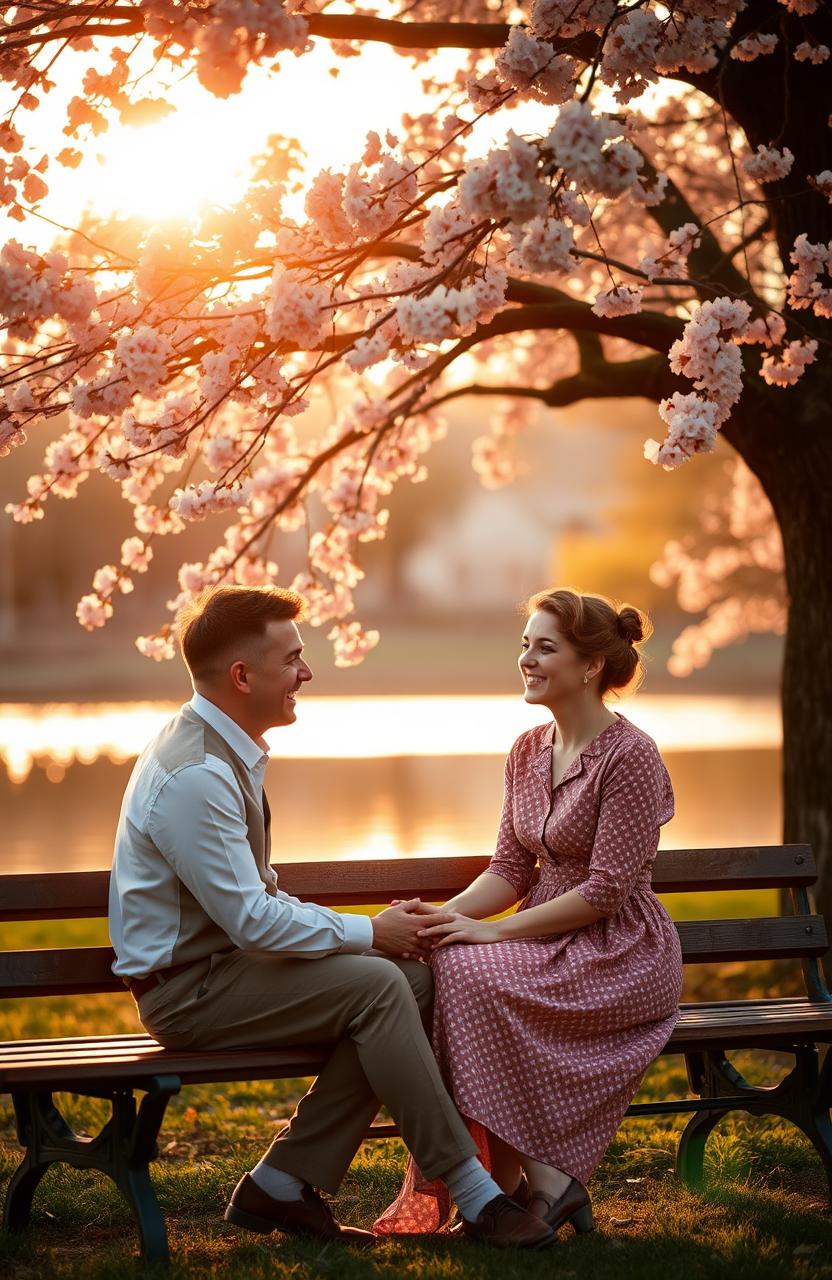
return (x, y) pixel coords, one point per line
(586, 678)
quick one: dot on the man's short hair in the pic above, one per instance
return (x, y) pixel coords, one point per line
(212, 625)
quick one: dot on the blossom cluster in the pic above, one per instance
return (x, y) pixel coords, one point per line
(180, 379)
(806, 288)
(768, 164)
(731, 571)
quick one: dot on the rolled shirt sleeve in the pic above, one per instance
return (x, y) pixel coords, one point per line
(512, 860)
(202, 834)
(636, 799)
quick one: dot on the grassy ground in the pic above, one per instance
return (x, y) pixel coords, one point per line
(764, 1212)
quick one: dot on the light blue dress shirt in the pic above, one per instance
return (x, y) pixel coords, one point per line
(188, 825)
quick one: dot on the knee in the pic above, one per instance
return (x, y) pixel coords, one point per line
(390, 982)
(386, 992)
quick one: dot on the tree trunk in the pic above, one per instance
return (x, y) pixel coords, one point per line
(784, 435)
(807, 663)
(792, 457)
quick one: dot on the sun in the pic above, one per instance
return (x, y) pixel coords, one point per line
(201, 153)
(173, 168)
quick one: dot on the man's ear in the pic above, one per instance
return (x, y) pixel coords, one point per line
(238, 676)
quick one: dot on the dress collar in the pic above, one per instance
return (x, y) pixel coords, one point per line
(543, 759)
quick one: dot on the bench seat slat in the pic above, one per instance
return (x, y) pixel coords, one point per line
(83, 894)
(134, 1058)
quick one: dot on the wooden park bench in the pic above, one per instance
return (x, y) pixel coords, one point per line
(116, 1067)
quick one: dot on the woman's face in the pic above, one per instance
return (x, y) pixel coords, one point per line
(552, 671)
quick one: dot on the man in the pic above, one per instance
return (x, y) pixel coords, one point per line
(217, 956)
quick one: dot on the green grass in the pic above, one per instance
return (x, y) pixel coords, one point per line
(764, 1212)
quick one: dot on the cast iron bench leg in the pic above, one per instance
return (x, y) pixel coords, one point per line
(802, 1096)
(809, 1101)
(122, 1150)
(40, 1126)
(690, 1154)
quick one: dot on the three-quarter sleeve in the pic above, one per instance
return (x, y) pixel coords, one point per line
(512, 860)
(636, 799)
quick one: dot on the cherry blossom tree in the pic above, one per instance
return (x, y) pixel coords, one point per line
(664, 232)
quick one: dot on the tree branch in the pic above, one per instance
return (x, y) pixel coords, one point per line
(648, 377)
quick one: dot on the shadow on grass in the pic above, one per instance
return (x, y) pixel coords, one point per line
(651, 1229)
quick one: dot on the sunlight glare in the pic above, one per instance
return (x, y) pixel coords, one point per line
(375, 727)
(172, 168)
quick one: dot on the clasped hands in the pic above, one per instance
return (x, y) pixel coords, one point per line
(413, 929)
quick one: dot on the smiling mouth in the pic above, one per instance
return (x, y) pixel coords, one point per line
(533, 681)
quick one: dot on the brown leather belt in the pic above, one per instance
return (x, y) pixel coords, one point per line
(140, 986)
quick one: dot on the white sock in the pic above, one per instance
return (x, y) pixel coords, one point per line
(471, 1186)
(276, 1183)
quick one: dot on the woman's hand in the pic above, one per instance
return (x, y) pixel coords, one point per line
(461, 929)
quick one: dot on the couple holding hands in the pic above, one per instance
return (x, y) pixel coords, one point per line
(507, 1050)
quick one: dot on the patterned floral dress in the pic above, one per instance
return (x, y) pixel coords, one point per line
(543, 1041)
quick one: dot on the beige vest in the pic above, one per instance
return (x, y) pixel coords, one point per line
(188, 739)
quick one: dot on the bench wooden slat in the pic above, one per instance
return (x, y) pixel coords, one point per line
(764, 867)
(192, 1068)
(135, 1058)
(71, 971)
(83, 894)
(764, 937)
(82, 970)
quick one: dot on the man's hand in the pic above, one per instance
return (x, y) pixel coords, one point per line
(396, 929)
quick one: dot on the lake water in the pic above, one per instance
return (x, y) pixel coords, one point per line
(375, 777)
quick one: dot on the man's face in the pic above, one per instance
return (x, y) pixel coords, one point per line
(275, 674)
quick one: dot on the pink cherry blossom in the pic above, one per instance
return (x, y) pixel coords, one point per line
(545, 245)
(692, 425)
(351, 643)
(93, 612)
(532, 66)
(159, 648)
(295, 309)
(814, 53)
(136, 555)
(144, 355)
(768, 164)
(823, 182)
(507, 184)
(630, 52)
(668, 257)
(754, 46)
(794, 357)
(569, 17)
(621, 300)
(806, 288)
(493, 462)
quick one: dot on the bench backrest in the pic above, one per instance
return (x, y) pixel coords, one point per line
(83, 895)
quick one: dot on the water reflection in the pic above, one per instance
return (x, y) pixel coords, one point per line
(56, 735)
(424, 778)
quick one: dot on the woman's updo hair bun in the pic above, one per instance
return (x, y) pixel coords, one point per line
(631, 624)
(600, 628)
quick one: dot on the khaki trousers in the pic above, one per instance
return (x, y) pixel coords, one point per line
(366, 1007)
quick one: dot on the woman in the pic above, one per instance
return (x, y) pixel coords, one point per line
(546, 1019)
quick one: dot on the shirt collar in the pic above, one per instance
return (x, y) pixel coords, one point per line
(250, 752)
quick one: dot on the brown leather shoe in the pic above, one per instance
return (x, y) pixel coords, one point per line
(505, 1225)
(521, 1195)
(252, 1207)
(574, 1207)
